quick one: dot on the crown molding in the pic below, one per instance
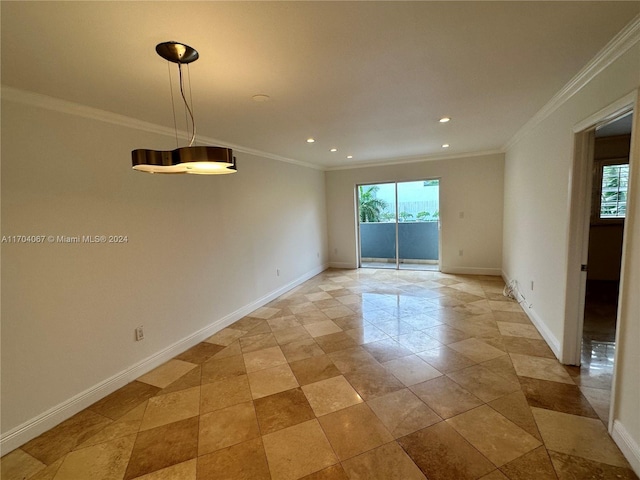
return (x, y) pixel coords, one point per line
(415, 159)
(617, 46)
(83, 111)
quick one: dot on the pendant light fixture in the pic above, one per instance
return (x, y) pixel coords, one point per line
(193, 159)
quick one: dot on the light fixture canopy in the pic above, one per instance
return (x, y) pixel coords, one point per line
(201, 160)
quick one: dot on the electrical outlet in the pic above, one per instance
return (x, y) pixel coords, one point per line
(139, 334)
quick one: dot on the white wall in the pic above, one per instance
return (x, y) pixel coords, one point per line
(472, 185)
(536, 222)
(201, 250)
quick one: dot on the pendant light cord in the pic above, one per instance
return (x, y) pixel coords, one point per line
(173, 105)
(186, 104)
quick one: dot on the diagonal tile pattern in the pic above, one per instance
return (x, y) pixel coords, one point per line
(355, 374)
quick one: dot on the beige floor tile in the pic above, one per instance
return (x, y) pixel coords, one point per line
(301, 349)
(443, 454)
(230, 350)
(123, 400)
(126, 425)
(335, 342)
(518, 330)
(383, 463)
(48, 473)
(314, 369)
(418, 341)
(226, 427)
(298, 451)
(253, 343)
(373, 381)
(200, 353)
(105, 461)
(354, 430)
(171, 407)
(329, 395)
(535, 464)
(282, 410)
(189, 380)
(514, 406)
(245, 460)
(167, 373)
(218, 369)
(247, 324)
(224, 393)
(265, 358)
(411, 370)
(334, 472)
(445, 396)
(19, 465)
(600, 400)
(541, 368)
(476, 350)
(445, 359)
(505, 306)
(339, 311)
(578, 468)
(495, 475)
(271, 380)
(497, 438)
(226, 336)
(315, 297)
(162, 447)
(402, 412)
(282, 323)
(386, 350)
(264, 313)
(483, 383)
(367, 333)
(181, 471)
(58, 441)
(578, 436)
(289, 335)
(322, 328)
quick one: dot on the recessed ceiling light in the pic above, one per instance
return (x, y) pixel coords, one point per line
(261, 98)
(310, 140)
(446, 145)
(349, 156)
(445, 120)
(334, 149)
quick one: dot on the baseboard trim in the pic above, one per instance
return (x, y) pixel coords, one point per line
(32, 428)
(470, 270)
(630, 449)
(541, 326)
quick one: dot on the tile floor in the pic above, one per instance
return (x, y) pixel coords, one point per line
(356, 374)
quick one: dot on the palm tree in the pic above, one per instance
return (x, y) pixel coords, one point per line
(370, 206)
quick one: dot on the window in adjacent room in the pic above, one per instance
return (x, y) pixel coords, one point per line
(611, 195)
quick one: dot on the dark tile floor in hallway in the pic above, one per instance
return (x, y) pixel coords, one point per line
(356, 374)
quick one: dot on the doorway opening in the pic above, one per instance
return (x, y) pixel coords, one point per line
(399, 225)
(609, 185)
(596, 242)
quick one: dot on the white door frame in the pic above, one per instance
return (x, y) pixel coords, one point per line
(580, 187)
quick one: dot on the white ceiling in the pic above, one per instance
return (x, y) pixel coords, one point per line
(368, 78)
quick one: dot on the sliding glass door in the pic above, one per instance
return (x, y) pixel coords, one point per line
(399, 225)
